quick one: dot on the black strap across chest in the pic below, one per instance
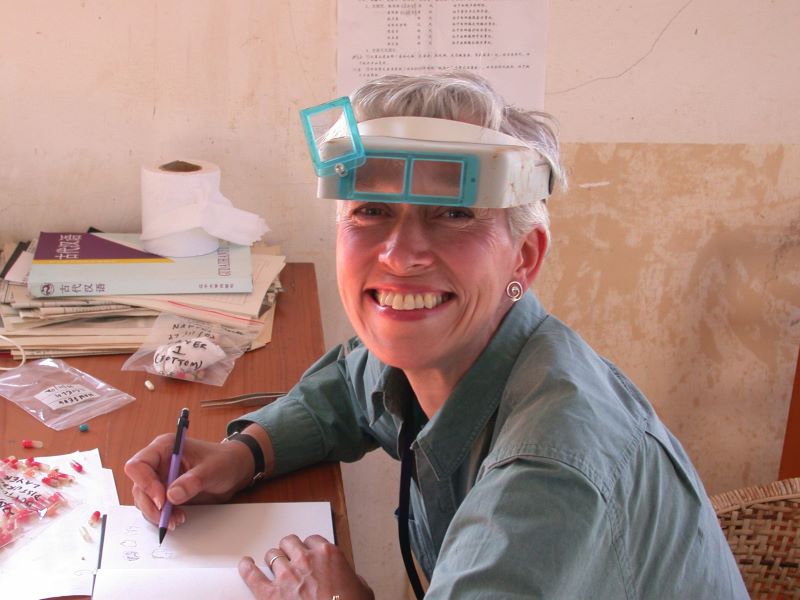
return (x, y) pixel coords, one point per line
(406, 470)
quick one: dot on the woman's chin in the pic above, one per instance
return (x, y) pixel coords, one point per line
(403, 353)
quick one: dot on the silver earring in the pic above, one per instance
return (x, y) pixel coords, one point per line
(514, 291)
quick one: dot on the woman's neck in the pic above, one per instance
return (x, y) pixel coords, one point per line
(432, 388)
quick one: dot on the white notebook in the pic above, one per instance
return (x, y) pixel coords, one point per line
(199, 559)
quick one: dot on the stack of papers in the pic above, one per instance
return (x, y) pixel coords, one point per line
(60, 560)
(90, 325)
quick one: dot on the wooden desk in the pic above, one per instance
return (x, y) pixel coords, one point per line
(296, 343)
(790, 460)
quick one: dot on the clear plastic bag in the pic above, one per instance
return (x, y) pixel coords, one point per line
(27, 504)
(59, 395)
(184, 348)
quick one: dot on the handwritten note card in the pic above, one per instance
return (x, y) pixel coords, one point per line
(203, 552)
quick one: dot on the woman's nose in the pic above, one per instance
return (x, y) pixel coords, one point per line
(407, 247)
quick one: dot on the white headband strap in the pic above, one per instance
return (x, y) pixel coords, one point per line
(436, 130)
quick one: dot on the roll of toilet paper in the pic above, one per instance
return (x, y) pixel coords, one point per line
(185, 214)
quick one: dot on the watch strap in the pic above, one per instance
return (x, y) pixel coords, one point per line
(259, 466)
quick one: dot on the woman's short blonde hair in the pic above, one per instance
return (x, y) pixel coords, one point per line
(465, 96)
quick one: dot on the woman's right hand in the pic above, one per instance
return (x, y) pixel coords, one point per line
(210, 473)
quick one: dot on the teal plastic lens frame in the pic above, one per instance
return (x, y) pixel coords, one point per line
(468, 181)
(344, 163)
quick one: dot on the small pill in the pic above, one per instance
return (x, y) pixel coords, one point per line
(85, 534)
(32, 444)
(76, 465)
(83, 427)
(149, 385)
(94, 520)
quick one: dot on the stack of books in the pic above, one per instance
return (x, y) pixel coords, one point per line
(72, 294)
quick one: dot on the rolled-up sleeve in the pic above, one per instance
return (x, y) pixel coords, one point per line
(320, 419)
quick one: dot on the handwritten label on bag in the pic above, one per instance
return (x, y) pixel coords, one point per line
(64, 395)
(186, 356)
(16, 489)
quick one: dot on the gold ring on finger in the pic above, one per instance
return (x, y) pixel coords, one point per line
(276, 557)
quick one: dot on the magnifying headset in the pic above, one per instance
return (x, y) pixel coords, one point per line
(420, 160)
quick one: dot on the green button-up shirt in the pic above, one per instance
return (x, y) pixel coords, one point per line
(546, 474)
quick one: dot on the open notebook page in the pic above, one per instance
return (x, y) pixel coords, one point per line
(202, 554)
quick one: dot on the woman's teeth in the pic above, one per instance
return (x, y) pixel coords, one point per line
(409, 301)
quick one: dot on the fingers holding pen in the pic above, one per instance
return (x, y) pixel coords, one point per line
(143, 500)
(209, 472)
(147, 470)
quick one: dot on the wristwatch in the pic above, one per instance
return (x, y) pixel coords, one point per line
(259, 468)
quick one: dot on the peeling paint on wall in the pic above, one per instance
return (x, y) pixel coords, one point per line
(685, 271)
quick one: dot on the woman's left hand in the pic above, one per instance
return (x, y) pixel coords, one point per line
(313, 569)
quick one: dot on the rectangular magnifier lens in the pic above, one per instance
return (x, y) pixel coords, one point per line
(438, 178)
(380, 175)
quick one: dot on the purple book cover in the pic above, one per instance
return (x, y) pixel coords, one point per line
(87, 248)
(109, 264)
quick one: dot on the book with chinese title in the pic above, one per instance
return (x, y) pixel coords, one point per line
(112, 264)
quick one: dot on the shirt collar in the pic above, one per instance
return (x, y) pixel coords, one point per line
(448, 437)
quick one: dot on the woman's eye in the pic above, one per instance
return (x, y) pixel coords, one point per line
(457, 213)
(369, 210)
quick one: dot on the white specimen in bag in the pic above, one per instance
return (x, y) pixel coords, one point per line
(186, 357)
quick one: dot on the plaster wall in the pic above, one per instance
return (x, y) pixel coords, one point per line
(676, 247)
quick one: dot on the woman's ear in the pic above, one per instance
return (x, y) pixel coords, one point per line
(533, 248)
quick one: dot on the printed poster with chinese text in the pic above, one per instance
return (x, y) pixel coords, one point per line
(505, 41)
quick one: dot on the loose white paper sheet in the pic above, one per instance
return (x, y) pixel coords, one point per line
(505, 41)
(196, 584)
(58, 561)
(203, 552)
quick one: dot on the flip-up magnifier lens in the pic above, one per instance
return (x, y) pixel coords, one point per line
(335, 121)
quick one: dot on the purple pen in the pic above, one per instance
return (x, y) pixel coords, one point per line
(174, 467)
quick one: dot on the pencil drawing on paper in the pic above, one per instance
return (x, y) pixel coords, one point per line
(161, 552)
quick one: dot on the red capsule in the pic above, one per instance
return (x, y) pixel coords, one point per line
(59, 475)
(25, 514)
(76, 465)
(94, 520)
(32, 444)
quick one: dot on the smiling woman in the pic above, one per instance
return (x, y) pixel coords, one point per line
(465, 257)
(531, 467)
